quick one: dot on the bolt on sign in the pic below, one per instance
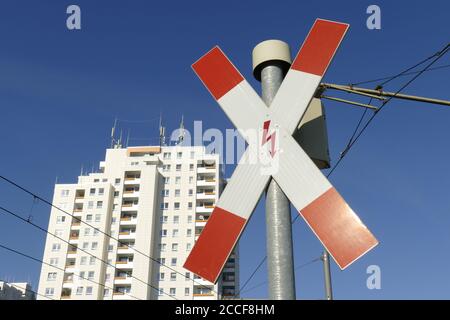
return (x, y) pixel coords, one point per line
(328, 215)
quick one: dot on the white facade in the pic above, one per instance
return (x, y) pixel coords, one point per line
(155, 201)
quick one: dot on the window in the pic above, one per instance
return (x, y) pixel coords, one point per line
(160, 291)
(87, 231)
(192, 154)
(190, 205)
(56, 247)
(49, 291)
(110, 248)
(191, 192)
(189, 232)
(107, 277)
(81, 275)
(179, 155)
(161, 261)
(113, 220)
(92, 261)
(51, 276)
(101, 191)
(162, 247)
(174, 247)
(165, 193)
(163, 233)
(64, 193)
(104, 180)
(166, 180)
(99, 206)
(117, 181)
(178, 167)
(90, 204)
(188, 246)
(173, 262)
(54, 261)
(116, 194)
(173, 276)
(176, 219)
(96, 232)
(166, 155)
(191, 167)
(189, 219)
(94, 246)
(98, 217)
(177, 206)
(177, 192)
(83, 261)
(186, 291)
(60, 219)
(58, 232)
(91, 275)
(79, 291)
(175, 233)
(164, 219)
(89, 217)
(161, 276)
(177, 180)
(92, 191)
(187, 275)
(88, 291)
(105, 292)
(191, 179)
(166, 167)
(164, 206)
(96, 180)
(85, 245)
(172, 291)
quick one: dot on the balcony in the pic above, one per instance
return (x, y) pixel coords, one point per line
(75, 222)
(130, 206)
(128, 220)
(207, 208)
(131, 193)
(206, 195)
(206, 169)
(124, 264)
(122, 280)
(72, 251)
(127, 234)
(205, 182)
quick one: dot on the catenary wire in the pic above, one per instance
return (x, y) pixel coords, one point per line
(355, 136)
(56, 267)
(81, 249)
(102, 232)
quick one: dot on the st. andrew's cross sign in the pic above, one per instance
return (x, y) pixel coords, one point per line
(332, 220)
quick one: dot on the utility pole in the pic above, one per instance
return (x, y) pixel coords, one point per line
(327, 275)
(271, 60)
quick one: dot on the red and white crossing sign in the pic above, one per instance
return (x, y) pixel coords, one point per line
(332, 220)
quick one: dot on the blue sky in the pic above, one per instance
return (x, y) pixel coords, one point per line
(60, 91)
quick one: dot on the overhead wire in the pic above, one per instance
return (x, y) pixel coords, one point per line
(70, 244)
(100, 231)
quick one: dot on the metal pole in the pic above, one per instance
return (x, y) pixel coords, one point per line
(381, 93)
(280, 262)
(327, 275)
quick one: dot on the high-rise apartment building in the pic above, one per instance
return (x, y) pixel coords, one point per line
(140, 216)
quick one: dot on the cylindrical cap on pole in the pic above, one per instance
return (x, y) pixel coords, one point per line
(270, 51)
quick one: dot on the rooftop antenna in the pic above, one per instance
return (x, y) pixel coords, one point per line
(112, 132)
(81, 171)
(128, 138)
(119, 143)
(162, 132)
(181, 132)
